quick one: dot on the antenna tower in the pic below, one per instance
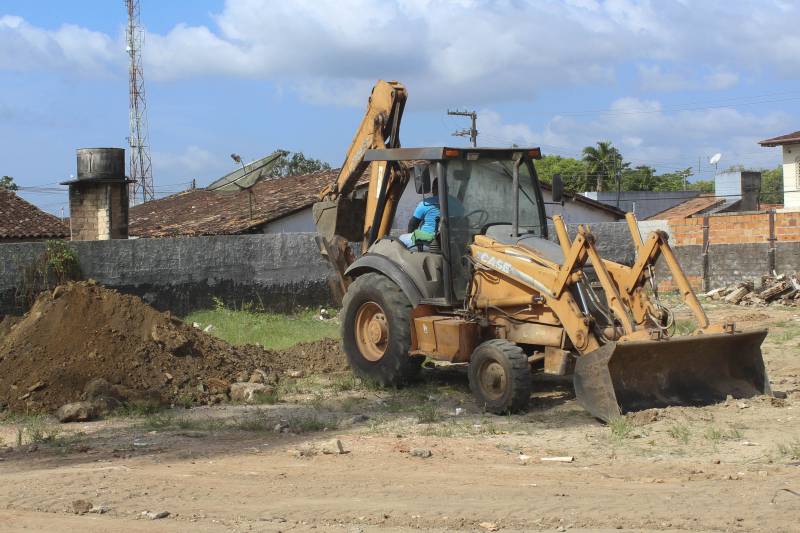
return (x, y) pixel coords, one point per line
(141, 190)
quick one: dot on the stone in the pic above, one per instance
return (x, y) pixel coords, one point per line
(99, 509)
(421, 452)
(333, 447)
(218, 386)
(76, 412)
(295, 374)
(100, 388)
(105, 404)
(155, 515)
(246, 392)
(258, 376)
(39, 385)
(81, 506)
(58, 291)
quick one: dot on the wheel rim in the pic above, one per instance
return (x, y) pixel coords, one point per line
(493, 380)
(372, 331)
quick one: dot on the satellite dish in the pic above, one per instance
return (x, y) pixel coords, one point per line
(248, 175)
(715, 159)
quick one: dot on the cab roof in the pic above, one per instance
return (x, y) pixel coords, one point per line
(445, 152)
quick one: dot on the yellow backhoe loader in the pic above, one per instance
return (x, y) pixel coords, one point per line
(492, 291)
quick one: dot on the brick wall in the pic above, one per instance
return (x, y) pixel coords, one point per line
(738, 246)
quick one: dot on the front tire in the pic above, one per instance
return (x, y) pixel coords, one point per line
(376, 331)
(500, 377)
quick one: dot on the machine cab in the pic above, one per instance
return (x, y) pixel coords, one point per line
(480, 191)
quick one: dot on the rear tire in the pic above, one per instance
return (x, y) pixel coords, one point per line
(500, 377)
(376, 331)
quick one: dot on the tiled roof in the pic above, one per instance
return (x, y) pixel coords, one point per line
(690, 207)
(789, 138)
(204, 212)
(22, 220)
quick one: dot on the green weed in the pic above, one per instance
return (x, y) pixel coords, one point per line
(427, 413)
(620, 428)
(679, 432)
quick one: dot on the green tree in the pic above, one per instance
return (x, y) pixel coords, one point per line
(701, 185)
(641, 178)
(604, 162)
(291, 164)
(573, 171)
(7, 184)
(771, 186)
(673, 181)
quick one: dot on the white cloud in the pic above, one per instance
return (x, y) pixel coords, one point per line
(26, 47)
(467, 51)
(646, 134)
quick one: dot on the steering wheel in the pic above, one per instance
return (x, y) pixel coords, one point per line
(482, 219)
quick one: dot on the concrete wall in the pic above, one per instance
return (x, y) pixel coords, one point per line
(183, 274)
(285, 270)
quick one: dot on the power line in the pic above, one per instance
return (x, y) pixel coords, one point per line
(472, 132)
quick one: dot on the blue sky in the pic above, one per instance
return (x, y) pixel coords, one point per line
(666, 81)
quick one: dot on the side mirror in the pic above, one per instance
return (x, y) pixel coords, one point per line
(422, 178)
(558, 189)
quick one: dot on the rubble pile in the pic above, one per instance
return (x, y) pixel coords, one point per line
(82, 337)
(780, 289)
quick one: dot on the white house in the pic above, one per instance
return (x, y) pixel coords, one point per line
(791, 167)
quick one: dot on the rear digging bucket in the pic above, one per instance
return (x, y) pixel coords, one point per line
(695, 370)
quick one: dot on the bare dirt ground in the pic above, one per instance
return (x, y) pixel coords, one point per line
(729, 467)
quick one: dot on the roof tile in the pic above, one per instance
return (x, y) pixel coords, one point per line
(22, 220)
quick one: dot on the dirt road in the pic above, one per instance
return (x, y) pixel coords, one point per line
(729, 467)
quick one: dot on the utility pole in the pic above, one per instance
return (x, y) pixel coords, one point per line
(140, 171)
(472, 132)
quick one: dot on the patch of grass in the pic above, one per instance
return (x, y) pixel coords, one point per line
(36, 429)
(679, 432)
(790, 450)
(158, 421)
(270, 330)
(138, 408)
(303, 424)
(427, 413)
(716, 435)
(620, 427)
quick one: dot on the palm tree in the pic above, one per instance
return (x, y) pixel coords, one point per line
(603, 162)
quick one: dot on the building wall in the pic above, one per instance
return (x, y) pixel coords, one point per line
(791, 176)
(98, 211)
(299, 222)
(643, 203)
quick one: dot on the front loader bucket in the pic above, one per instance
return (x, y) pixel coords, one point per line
(694, 370)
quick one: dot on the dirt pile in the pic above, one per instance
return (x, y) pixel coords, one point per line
(81, 332)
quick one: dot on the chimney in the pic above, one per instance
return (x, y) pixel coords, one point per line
(98, 198)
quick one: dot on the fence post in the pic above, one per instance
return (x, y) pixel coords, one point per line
(772, 239)
(706, 269)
